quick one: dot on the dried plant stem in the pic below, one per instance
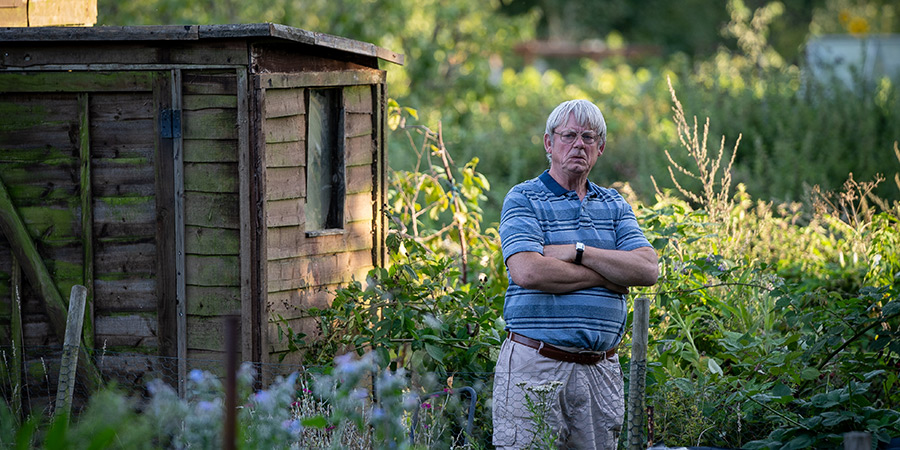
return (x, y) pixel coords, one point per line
(715, 197)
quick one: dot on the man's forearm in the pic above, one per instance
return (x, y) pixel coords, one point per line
(532, 270)
(639, 267)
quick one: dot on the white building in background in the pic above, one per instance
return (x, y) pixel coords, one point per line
(854, 59)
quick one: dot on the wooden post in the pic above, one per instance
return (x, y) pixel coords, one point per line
(68, 364)
(87, 217)
(637, 419)
(180, 275)
(231, 349)
(26, 253)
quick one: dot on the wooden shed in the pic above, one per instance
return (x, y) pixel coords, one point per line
(184, 174)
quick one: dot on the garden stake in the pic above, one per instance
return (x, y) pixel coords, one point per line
(231, 331)
(68, 363)
(638, 377)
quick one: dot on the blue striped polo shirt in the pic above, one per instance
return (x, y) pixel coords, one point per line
(540, 212)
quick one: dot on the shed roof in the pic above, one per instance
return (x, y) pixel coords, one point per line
(197, 32)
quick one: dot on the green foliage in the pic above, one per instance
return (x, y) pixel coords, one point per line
(110, 421)
(416, 315)
(773, 327)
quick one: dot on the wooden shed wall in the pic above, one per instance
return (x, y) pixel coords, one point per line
(77, 155)
(70, 137)
(303, 271)
(212, 219)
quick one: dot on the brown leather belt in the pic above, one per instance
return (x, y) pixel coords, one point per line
(560, 354)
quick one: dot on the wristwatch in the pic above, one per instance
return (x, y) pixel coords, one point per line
(579, 252)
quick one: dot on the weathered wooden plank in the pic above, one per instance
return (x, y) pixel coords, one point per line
(122, 232)
(38, 334)
(212, 270)
(213, 300)
(178, 260)
(358, 99)
(249, 330)
(54, 136)
(212, 123)
(285, 183)
(209, 82)
(123, 150)
(207, 101)
(286, 154)
(358, 208)
(34, 111)
(116, 210)
(131, 259)
(285, 129)
(50, 223)
(206, 333)
(37, 192)
(132, 330)
(211, 361)
(102, 33)
(14, 13)
(293, 304)
(291, 242)
(130, 369)
(122, 177)
(205, 150)
(62, 12)
(285, 102)
(360, 151)
(211, 177)
(211, 241)
(165, 87)
(380, 171)
(280, 213)
(254, 310)
(37, 153)
(318, 270)
(82, 55)
(212, 209)
(356, 125)
(134, 294)
(115, 134)
(126, 259)
(359, 179)
(309, 79)
(61, 172)
(70, 81)
(119, 106)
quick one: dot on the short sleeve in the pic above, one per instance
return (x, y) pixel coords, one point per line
(629, 235)
(519, 228)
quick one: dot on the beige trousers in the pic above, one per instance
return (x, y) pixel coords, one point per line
(583, 406)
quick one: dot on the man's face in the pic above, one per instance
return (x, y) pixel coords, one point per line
(577, 157)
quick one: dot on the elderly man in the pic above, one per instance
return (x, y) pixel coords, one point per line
(572, 249)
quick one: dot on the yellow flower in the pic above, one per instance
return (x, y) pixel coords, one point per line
(858, 25)
(844, 17)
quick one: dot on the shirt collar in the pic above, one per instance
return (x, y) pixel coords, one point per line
(556, 189)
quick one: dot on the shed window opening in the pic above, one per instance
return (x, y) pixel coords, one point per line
(325, 178)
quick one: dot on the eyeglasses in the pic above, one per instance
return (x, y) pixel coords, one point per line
(569, 137)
